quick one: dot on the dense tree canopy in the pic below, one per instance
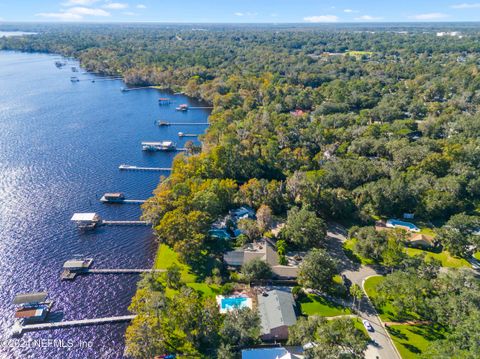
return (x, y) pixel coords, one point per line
(349, 122)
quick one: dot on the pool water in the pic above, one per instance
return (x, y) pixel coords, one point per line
(404, 224)
(237, 302)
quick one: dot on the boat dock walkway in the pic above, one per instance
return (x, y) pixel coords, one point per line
(161, 123)
(126, 89)
(137, 168)
(122, 271)
(123, 201)
(18, 328)
(125, 223)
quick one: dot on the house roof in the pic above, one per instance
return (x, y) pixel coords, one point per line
(276, 309)
(30, 298)
(421, 237)
(72, 264)
(234, 258)
(84, 217)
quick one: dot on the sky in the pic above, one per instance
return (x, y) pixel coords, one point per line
(239, 11)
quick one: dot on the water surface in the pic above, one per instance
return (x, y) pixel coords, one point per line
(60, 147)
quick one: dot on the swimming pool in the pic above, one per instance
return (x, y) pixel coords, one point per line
(233, 302)
(396, 223)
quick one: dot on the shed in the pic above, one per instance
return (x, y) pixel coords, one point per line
(85, 217)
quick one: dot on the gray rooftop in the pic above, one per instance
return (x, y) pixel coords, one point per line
(30, 298)
(276, 309)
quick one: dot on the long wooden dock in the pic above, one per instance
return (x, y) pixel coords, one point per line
(125, 223)
(137, 168)
(161, 123)
(126, 89)
(123, 201)
(18, 328)
(122, 271)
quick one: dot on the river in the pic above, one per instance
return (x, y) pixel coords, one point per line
(60, 147)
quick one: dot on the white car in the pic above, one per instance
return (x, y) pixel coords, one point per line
(367, 325)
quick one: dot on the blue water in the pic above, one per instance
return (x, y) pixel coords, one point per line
(60, 147)
(404, 224)
(234, 302)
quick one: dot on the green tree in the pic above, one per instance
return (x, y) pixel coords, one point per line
(317, 270)
(458, 234)
(256, 269)
(304, 229)
(357, 294)
(250, 228)
(240, 329)
(173, 276)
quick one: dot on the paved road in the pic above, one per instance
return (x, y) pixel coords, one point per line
(357, 273)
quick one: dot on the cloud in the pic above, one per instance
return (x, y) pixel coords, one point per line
(88, 11)
(368, 18)
(63, 16)
(321, 18)
(115, 6)
(251, 14)
(79, 2)
(429, 16)
(74, 13)
(466, 6)
(141, 6)
(349, 11)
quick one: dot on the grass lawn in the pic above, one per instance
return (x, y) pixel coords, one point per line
(446, 258)
(386, 311)
(412, 340)
(476, 255)
(313, 304)
(359, 53)
(348, 248)
(167, 257)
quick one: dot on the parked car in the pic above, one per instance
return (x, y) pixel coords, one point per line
(367, 325)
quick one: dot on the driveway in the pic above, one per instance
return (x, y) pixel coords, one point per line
(384, 348)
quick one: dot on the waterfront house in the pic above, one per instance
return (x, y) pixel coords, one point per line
(420, 240)
(265, 251)
(277, 312)
(242, 213)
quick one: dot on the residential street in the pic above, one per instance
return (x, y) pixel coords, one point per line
(357, 273)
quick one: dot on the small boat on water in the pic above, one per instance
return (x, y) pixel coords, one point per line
(183, 107)
(74, 79)
(74, 69)
(164, 101)
(159, 146)
(59, 64)
(163, 123)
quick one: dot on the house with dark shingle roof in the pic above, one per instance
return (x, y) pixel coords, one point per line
(265, 251)
(277, 312)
